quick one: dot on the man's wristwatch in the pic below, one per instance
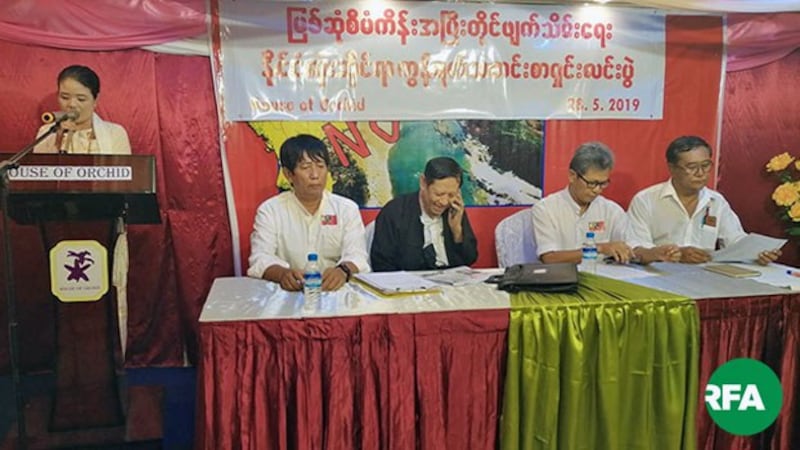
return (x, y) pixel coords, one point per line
(346, 270)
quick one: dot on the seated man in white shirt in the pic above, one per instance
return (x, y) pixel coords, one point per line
(681, 219)
(562, 219)
(307, 219)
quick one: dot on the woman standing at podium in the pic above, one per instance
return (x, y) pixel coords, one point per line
(84, 132)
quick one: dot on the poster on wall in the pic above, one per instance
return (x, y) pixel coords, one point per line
(394, 60)
(371, 162)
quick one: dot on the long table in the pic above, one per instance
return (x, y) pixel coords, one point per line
(429, 371)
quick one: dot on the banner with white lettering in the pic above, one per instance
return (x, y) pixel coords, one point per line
(393, 60)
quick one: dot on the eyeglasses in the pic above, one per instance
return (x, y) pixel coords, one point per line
(702, 167)
(594, 184)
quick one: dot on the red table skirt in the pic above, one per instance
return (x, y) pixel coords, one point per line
(764, 328)
(434, 380)
(345, 383)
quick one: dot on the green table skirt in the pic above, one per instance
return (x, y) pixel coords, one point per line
(612, 367)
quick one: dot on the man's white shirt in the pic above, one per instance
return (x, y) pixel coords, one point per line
(558, 224)
(657, 217)
(285, 233)
(433, 232)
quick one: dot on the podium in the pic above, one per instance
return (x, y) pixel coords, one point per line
(84, 188)
(70, 190)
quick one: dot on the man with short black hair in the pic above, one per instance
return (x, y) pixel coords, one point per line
(307, 219)
(681, 219)
(427, 229)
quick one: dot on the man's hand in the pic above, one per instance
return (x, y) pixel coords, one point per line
(618, 250)
(694, 255)
(768, 256)
(292, 280)
(333, 278)
(667, 253)
(454, 215)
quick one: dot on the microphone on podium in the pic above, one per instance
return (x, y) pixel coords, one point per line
(58, 116)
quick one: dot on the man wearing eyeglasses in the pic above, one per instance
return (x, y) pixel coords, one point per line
(561, 220)
(681, 219)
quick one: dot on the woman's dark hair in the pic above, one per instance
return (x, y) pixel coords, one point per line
(82, 75)
(295, 147)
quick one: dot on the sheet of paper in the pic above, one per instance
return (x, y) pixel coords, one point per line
(396, 282)
(778, 275)
(623, 271)
(455, 276)
(747, 248)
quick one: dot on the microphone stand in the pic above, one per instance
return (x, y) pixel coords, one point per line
(13, 343)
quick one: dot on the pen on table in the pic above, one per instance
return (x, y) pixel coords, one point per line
(793, 273)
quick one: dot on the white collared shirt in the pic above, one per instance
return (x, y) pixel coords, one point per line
(433, 232)
(285, 233)
(559, 225)
(657, 217)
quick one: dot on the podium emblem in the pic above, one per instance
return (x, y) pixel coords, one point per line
(78, 271)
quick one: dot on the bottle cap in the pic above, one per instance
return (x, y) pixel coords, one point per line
(590, 234)
(312, 257)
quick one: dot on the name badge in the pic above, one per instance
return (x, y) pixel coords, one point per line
(597, 227)
(708, 219)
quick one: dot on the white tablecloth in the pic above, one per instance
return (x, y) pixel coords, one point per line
(694, 282)
(240, 298)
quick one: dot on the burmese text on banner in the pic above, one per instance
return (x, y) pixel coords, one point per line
(394, 60)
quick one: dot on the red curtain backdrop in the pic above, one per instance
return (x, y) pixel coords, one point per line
(691, 106)
(166, 103)
(758, 39)
(761, 119)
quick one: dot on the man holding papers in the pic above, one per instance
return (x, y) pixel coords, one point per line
(427, 229)
(681, 219)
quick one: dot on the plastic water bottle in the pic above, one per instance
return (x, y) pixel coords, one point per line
(589, 256)
(312, 283)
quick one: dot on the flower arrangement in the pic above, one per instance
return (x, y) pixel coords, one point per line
(787, 194)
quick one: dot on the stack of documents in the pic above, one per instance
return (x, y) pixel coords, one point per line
(457, 276)
(732, 271)
(396, 282)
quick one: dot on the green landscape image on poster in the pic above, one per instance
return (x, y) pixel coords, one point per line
(371, 162)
